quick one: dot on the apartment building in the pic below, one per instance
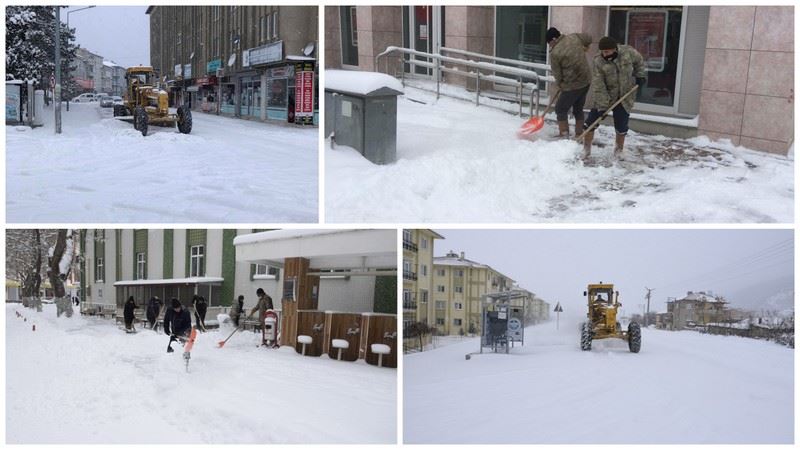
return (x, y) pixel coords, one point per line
(697, 309)
(418, 275)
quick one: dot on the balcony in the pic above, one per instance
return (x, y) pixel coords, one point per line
(410, 246)
(408, 275)
(410, 305)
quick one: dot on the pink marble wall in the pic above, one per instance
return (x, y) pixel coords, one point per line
(378, 28)
(333, 38)
(748, 77)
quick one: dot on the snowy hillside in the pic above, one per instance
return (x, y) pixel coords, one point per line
(461, 163)
(681, 388)
(102, 170)
(83, 380)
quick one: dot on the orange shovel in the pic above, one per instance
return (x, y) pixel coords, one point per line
(536, 123)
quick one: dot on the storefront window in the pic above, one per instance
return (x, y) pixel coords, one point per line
(278, 90)
(520, 33)
(228, 98)
(656, 34)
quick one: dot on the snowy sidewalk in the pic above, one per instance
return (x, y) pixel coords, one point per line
(102, 170)
(461, 163)
(84, 381)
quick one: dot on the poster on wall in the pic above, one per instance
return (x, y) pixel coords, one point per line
(304, 93)
(646, 31)
(13, 104)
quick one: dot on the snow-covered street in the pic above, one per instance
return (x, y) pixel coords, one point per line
(102, 170)
(82, 380)
(461, 163)
(683, 387)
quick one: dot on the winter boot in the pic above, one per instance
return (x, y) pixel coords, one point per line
(587, 144)
(578, 127)
(563, 129)
(618, 145)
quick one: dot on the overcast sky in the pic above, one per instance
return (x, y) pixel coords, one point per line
(558, 264)
(117, 33)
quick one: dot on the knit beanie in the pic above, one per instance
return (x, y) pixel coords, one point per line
(607, 43)
(551, 34)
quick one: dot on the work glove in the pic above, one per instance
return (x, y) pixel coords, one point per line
(640, 82)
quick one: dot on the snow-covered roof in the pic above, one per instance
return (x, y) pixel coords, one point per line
(457, 261)
(110, 63)
(190, 280)
(702, 297)
(362, 83)
(325, 249)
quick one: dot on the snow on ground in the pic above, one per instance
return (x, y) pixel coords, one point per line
(683, 387)
(461, 163)
(102, 170)
(83, 380)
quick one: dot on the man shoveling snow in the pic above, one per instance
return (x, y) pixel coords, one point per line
(177, 324)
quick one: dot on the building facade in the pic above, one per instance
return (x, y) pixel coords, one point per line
(87, 71)
(255, 62)
(696, 309)
(459, 284)
(722, 71)
(183, 262)
(418, 274)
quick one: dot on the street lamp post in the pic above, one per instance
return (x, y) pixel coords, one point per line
(69, 68)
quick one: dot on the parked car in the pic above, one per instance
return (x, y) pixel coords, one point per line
(106, 101)
(117, 99)
(84, 98)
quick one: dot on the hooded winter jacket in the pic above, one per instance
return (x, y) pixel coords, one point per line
(612, 79)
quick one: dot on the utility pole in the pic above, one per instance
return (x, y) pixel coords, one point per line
(57, 90)
(647, 296)
(69, 67)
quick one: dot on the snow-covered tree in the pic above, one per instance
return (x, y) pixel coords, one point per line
(30, 45)
(25, 262)
(61, 256)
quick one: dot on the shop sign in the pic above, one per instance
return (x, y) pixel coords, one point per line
(246, 58)
(178, 68)
(265, 54)
(187, 71)
(304, 93)
(646, 31)
(205, 81)
(212, 66)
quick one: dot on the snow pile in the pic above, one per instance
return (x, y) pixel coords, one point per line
(362, 83)
(84, 381)
(102, 170)
(461, 163)
(682, 388)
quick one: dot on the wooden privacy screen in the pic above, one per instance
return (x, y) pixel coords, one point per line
(301, 292)
(338, 326)
(311, 323)
(379, 329)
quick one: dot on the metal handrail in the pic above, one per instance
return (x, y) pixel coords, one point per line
(437, 65)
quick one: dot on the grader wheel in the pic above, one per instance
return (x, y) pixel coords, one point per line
(634, 337)
(586, 336)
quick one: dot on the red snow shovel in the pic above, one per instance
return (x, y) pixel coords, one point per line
(221, 344)
(536, 123)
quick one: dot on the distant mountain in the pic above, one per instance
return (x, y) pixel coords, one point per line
(777, 294)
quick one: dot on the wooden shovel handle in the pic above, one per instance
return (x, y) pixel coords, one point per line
(603, 116)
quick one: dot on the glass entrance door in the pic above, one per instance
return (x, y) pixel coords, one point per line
(423, 30)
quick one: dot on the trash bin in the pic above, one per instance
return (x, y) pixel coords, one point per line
(361, 112)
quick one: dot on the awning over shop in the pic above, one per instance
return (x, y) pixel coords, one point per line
(191, 280)
(325, 249)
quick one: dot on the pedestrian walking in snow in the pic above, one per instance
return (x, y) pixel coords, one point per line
(264, 303)
(573, 76)
(153, 311)
(617, 69)
(128, 313)
(237, 309)
(177, 323)
(200, 308)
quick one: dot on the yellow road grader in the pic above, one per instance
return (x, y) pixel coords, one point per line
(145, 103)
(602, 320)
